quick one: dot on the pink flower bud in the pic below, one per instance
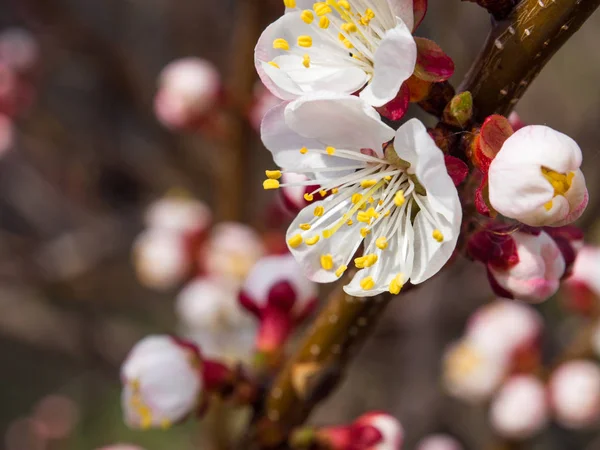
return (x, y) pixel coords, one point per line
(535, 178)
(439, 442)
(515, 121)
(277, 292)
(161, 259)
(575, 394)
(583, 286)
(179, 214)
(472, 372)
(231, 251)
(162, 382)
(18, 49)
(189, 89)
(520, 410)
(372, 431)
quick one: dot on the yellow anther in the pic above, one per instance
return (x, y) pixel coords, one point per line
(344, 4)
(396, 284)
(366, 19)
(356, 198)
(281, 44)
(307, 16)
(364, 232)
(399, 199)
(324, 22)
(327, 233)
(304, 150)
(437, 235)
(274, 64)
(370, 200)
(365, 261)
(372, 213)
(560, 182)
(306, 61)
(327, 262)
(330, 150)
(309, 197)
(335, 190)
(341, 37)
(319, 211)
(295, 241)
(350, 223)
(363, 217)
(270, 184)
(313, 240)
(349, 28)
(289, 3)
(273, 174)
(321, 8)
(368, 183)
(323, 192)
(387, 213)
(340, 271)
(367, 283)
(381, 243)
(380, 203)
(305, 226)
(548, 205)
(305, 41)
(348, 44)
(388, 178)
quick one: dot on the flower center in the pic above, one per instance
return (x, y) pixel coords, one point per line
(560, 182)
(141, 408)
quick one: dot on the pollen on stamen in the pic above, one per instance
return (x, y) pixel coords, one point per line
(367, 283)
(348, 44)
(313, 240)
(349, 28)
(304, 150)
(305, 226)
(396, 284)
(327, 262)
(319, 211)
(399, 198)
(388, 178)
(330, 150)
(335, 190)
(274, 64)
(295, 241)
(306, 61)
(364, 232)
(350, 223)
(437, 235)
(321, 8)
(363, 217)
(344, 4)
(323, 192)
(273, 174)
(324, 22)
(368, 183)
(309, 197)
(307, 16)
(270, 184)
(356, 198)
(289, 3)
(340, 271)
(381, 243)
(327, 233)
(281, 44)
(305, 41)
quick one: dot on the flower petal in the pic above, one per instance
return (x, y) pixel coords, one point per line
(394, 63)
(404, 10)
(341, 121)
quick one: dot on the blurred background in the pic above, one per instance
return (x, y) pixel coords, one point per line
(83, 155)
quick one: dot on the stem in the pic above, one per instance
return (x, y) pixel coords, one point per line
(518, 48)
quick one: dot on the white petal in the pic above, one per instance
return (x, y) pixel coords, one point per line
(404, 10)
(341, 246)
(285, 144)
(340, 121)
(395, 60)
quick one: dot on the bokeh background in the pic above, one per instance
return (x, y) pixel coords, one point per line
(89, 155)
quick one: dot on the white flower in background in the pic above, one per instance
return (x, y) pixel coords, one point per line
(161, 259)
(439, 442)
(339, 46)
(19, 49)
(162, 383)
(231, 251)
(179, 214)
(210, 314)
(575, 394)
(536, 277)
(505, 326)
(520, 409)
(535, 178)
(585, 273)
(401, 203)
(189, 88)
(473, 372)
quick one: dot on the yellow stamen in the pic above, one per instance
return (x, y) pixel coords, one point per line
(340, 271)
(304, 150)
(363, 217)
(381, 243)
(350, 223)
(289, 3)
(399, 199)
(330, 150)
(356, 198)
(270, 184)
(295, 241)
(341, 37)
(437, 235)
(335, 190)
(560, 182)
(323, 192)
(349, 28)
(281, 44)
(348, 44)
(324, 22)
(313, 240)
(327, 262)
(274, 64)
(344, 4)
(396, 284)
(305, 41)
(364, 232)
(367, 283)
(319, 211)
(309, 197)
(321, 8)
(365, 261)
(305, 226)
(371, 200)
(548, 205)
(306, 61)
(307, 16)
(388, 178)
(368, 183)
(273, 174)
(387, 213)
(327, 233)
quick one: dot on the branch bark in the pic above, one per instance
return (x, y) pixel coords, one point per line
(518, 48)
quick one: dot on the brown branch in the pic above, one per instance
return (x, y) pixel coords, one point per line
(517, 49)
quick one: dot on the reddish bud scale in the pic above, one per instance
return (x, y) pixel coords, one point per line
(419, 10)
(419, 89)
(396, 109)
(457, 169)
(494, 246)
(275, 328)
(432, 63)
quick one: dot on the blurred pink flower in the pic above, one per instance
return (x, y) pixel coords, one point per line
(179, 214)
(6, 134)
(583, 286)
(371, 431)
(19, 50)
(439, 442)
(56, 416)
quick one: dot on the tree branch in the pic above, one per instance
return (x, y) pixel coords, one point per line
(518, 48)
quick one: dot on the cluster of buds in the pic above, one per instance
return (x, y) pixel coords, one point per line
(19, 54)
(166, 380)
(278, 294)
(523, 262)
(371, 431)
